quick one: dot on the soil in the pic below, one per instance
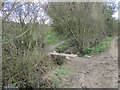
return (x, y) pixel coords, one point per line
(98, 71)
(51, 48)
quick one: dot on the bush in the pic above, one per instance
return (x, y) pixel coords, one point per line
(58, 60)
(74, 20)
(24, 63)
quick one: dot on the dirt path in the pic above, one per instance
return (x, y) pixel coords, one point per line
(51, 48)
(100, 71)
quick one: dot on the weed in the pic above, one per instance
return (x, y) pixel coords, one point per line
(101, 47)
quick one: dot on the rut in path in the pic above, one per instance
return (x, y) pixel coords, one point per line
(100, 71)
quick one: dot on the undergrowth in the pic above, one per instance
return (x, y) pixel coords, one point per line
(101, 47)
(58, 75)
(52, 37)
(64, 46)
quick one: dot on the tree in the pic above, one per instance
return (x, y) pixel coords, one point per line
(23, 39)
(84, 22)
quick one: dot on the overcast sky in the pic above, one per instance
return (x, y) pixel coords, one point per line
(116, 13)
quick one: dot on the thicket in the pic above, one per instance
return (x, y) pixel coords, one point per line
(85, 23)
(24, 63)
(23, 37)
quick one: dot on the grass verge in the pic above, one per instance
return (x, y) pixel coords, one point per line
(63, 46)
(58, 75)
(101, 47)
(52, 37)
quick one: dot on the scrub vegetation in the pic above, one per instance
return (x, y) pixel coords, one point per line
(88, 26)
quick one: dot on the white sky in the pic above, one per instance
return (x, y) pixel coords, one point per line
(116, 13)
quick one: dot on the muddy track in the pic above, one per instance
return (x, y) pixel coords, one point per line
(99, 71)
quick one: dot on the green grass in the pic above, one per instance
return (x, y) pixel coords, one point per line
(61, 71)
(64, 46)
(101, 47)
(52, 37)
(58, 75)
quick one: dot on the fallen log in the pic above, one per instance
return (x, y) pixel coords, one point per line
(63, 54)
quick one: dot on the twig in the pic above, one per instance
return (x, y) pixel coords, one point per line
(16, 37)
